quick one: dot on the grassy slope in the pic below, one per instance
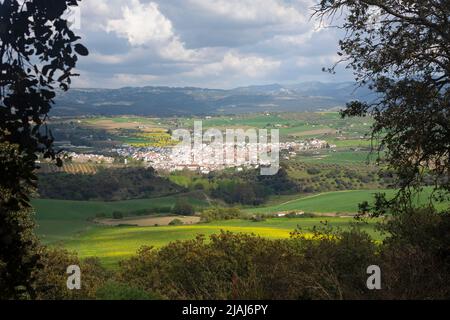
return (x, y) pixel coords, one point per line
(332, 202)
(340, 157)
(60, 219)
(112, 244)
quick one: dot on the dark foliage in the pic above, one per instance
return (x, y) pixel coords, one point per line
(401, 50)
(38, 51)
(107, 185)
(183, 208)
(330, 265)
(250, 187)
(217, 214)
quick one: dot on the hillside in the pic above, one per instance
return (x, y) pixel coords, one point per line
(166, 101)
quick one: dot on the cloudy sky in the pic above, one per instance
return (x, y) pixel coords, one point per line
(204, 43)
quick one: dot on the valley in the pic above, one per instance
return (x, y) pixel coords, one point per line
(126, 203)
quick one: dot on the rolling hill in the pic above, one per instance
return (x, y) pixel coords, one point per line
(167, 101)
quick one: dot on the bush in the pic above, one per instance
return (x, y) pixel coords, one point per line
(241, 266)
(303, 215)
(258, 218)
(50, 279)
(183, 208)
(217, 214)
(113, 290)
(117, 215)
(327, 264)
(416, 255)
(313, 171)
(176, 222)
(322, 264)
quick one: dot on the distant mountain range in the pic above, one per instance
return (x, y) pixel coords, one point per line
(167, 101)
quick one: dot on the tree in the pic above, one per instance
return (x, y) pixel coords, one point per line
(183, 208)
(38, 51)
(401, 50)
(176, 222)
(117, 215)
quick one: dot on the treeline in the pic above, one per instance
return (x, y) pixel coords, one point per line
(218, 214)
(315, 178)
(234, 188)
(246, 188)
(181, 207)
(332, 264)
(106, 184)
(250, 187)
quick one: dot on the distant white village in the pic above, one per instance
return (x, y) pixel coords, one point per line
(171, 159)
(88, 158)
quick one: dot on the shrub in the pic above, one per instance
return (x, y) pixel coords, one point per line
(241, 266)
(183, 208)
(416, 255)
(50, 279)
(216, 214)
(322, 264)
(117, 215)
(313, 171)
(258, 218)
(176, 222)
(303, 215)
(113, 290)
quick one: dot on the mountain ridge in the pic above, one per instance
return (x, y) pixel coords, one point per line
(180, 101)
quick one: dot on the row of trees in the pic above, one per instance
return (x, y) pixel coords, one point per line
(182, 207)
(251, 188)
(132, 183)
(106, 184)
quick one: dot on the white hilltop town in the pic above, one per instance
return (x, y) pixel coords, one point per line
(171, 159)
(239, 156)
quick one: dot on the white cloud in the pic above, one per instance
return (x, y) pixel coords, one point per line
(237, 65)
(263, 11)
(217, 43)
(93, 80)
(144, 25)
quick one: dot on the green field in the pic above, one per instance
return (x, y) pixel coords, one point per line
(60, 219)
(112, 244)
(346, 134)
(339, 157)
(330, 202)
(67, 223)
(294, 125)
(335, 202)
